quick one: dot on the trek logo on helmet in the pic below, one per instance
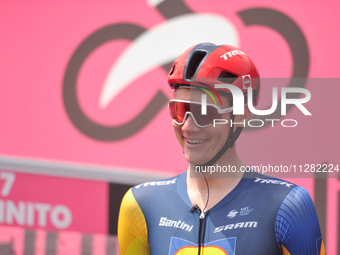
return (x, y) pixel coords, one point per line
(232, 53)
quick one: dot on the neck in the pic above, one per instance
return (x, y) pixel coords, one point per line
(220, 177)
(227, 167)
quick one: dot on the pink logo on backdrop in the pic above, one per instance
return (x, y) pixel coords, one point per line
(153, 46)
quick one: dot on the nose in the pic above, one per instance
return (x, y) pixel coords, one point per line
(189, 125)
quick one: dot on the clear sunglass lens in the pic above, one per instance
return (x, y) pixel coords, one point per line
(206, 119)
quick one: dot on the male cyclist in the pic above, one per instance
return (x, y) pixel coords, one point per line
(243, 213)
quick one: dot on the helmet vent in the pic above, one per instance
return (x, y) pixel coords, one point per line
(172, 70)
(227, 77)
(195, 61)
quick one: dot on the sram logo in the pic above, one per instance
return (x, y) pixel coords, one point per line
(247, 224)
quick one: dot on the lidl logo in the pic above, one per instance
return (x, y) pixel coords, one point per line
(224, 246)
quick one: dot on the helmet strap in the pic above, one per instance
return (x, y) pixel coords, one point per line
(229, 144)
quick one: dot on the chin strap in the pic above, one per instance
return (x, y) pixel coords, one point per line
(229, 144)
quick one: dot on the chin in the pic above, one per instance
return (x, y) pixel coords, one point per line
(194, 160)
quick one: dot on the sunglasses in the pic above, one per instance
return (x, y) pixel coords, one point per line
(180, 109)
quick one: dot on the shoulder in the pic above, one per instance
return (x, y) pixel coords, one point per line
(296, 223)
(270, 187)
(132, 229)
(293, 199)
(293, 194)
(155, 191)
(297, 227)
(297, 206)
(145, 194)
(275, 193)
(272, 181)
(158, 184)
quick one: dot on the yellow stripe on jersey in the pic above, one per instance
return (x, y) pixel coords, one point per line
(322, 249)
(284, 250)
(132, 230)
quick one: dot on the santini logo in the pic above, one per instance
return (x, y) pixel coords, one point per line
(175, 224)
(248, 224)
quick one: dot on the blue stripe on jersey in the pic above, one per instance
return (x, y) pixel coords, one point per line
(297, 223)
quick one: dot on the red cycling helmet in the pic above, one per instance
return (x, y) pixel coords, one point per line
(207, 64)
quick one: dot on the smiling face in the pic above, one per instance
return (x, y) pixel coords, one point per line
(200, 144)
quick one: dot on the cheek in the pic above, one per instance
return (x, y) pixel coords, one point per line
(222, 131)
(174, 125)
(177, 129)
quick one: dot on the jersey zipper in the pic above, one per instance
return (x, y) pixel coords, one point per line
(200, 237)
(200, 233)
